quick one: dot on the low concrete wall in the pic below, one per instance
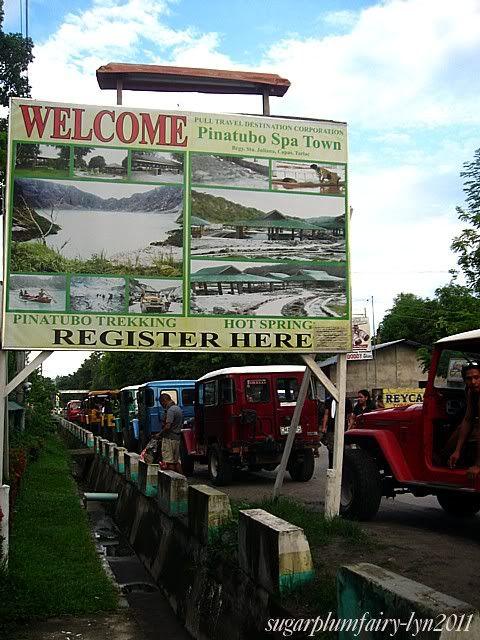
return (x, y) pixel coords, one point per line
(394, 606)
(215, 600)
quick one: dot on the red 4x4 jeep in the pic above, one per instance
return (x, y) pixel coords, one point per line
(394, 451)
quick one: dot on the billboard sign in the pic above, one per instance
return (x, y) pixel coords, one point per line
(361, 339)
(159, 230)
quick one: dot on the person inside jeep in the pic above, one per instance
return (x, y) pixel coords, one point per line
(465, 440)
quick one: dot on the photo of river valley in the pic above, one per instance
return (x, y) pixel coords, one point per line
(90, 227)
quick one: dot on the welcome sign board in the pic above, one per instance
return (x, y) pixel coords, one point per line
(148, 230)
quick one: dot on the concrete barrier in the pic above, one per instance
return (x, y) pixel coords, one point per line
(119, 459)
(89, 439)
(172, 493)
(208, 509)
(273, 552)
(147, 478)
(97, 446)
(103, 448)
(364, 588)
(110, 450)
(131, 466)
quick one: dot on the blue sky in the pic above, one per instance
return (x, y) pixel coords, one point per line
(402, 73)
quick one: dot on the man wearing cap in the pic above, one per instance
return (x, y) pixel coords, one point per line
(469, 425)
(171, 433)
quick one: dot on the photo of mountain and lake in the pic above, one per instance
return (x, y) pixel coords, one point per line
(96, 227)
(258, 225)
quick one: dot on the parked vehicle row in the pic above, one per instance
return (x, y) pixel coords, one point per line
(233, 418)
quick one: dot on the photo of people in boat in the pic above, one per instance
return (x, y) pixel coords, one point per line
(94, 293)
(37, 293)
(310, 177)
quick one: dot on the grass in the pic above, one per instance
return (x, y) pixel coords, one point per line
(37, 257)
(53, 568)
(319, 596)
(44, 172)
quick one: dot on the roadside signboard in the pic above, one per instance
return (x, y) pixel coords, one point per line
(134, 229)
(361, 339)
(402, 396)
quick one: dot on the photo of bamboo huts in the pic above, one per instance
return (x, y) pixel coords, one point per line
(266, 225)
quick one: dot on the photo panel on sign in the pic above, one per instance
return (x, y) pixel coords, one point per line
(229, 171)
(42, 160)
(271, 289)
(29, 292)
(155, 296)
(100, 163)
(157, 167)
(94, 294)
(102, 226)
(257, 225)
(309, 177)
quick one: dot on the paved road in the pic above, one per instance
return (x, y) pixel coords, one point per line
(404, 511)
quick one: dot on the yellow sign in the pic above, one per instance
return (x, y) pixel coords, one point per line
(160, 230)
(402, 396)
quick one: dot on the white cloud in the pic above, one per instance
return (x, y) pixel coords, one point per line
(343, 18)
(395, 67)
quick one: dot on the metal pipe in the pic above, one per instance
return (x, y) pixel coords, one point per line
(100, 497)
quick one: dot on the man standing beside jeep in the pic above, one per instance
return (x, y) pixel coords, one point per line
(469, 425)
(171, 433)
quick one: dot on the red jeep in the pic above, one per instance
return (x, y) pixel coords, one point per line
(73, 410)
(394, 451)
(242, 415)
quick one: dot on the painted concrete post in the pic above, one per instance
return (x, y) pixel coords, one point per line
(119, 459)
(172, 494)
(273, 552)
(103, 448)
(364, 587)
(96, 441)
(89, 439)
(131, 466)
(208, 510)
(147, 478)
(110, 449)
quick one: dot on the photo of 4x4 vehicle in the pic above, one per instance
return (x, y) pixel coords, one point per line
(418, 449)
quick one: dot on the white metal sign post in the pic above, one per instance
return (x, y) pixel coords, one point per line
(334, 476)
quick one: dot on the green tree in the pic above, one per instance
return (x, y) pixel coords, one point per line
(15, 56)
(97, 162)
(467, 244)
(409, 319)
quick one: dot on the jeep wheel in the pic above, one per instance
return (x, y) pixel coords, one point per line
(188, 462)
(220, 468)
(462, 505)
(361, 486)
(302, 466)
